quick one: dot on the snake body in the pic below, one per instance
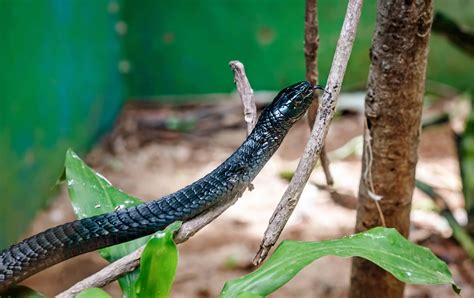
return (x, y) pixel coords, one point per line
(225, 182)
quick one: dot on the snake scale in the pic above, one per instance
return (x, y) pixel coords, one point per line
(225, 182)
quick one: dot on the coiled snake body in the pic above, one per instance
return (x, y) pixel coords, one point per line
(229, 179)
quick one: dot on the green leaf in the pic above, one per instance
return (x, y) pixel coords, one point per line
(158, 264)
(91, 194)
(408, 262)
(465, 146)
(286, 175)
(93, 293)
(248, 295)
(22, 292)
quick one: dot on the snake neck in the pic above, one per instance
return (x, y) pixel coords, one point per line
(267, 137)
(231, 177)
(258, 148)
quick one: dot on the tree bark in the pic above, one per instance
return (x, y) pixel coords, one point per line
(393, 106)
(311, 46)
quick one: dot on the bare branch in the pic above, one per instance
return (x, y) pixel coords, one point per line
(325, 165)
(130, 262)
(107, 275)
(311, 41)
(311, 45)
(246, 94)
(315, 143)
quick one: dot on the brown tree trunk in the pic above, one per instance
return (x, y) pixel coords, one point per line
(393, 110)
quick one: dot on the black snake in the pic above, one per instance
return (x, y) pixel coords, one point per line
(229, 179)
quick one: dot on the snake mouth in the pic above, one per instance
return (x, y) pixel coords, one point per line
(318, 87)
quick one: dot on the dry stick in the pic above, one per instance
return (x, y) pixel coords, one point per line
(316, 141)
(311, 45)
(130, 262)
(246, 94)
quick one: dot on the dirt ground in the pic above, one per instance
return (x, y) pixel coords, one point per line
(146, 160)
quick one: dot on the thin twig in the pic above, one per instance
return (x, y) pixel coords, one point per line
(325, 165)
(130, 262)
(311, 45)
(246, 94)
(316, 141)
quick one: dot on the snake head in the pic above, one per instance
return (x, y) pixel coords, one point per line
(293, 101)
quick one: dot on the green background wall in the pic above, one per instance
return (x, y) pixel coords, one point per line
(183, 46)
(59, 88)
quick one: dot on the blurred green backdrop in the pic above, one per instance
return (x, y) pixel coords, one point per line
(66, 66)
(183, 46)
(59, 87)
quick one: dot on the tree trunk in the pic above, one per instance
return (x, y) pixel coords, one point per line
(393, 111)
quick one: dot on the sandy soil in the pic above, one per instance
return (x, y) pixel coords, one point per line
(152, 167)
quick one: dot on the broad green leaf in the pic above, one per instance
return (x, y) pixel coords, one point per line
(91, 194)
(93, 293)
(158, 264)
(388, 249)
(22, 292)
